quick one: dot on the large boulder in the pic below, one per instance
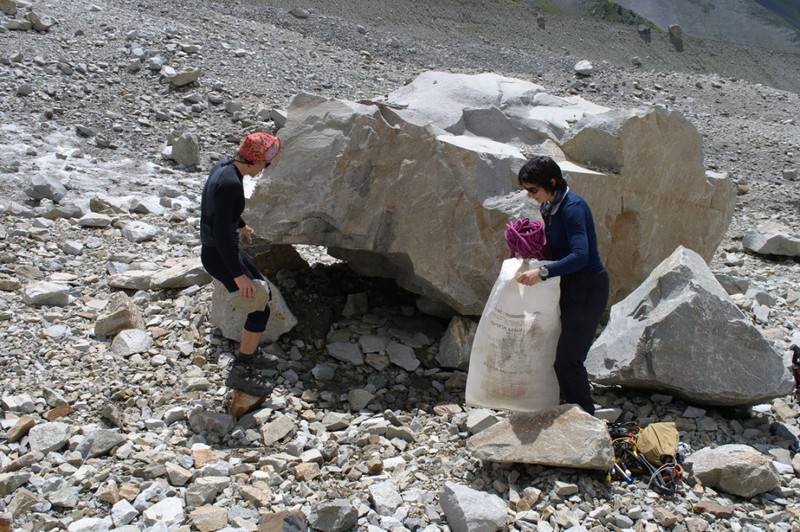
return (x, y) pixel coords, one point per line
(419, 187)
(349, 180)
(559, 436)
(655, 195)
(680, 333)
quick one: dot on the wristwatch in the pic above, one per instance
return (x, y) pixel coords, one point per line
(544, 273)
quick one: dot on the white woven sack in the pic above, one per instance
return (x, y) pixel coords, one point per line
(511, 363)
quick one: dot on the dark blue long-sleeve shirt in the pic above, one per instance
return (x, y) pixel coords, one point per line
(572, 238)
(221, 211)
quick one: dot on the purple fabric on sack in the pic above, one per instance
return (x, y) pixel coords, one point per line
(527, 239)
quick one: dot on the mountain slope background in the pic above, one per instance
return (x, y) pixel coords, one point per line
(772, 24)
(522, 37)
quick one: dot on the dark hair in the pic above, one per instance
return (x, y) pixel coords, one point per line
(540, 171)
(240, 159)
(237, 157)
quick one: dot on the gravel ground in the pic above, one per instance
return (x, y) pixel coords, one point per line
(82, 103)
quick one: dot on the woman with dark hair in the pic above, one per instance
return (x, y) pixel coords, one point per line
(572, 240)
(221, 227)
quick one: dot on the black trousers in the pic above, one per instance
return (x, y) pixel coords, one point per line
(584, 297)
(212, 262)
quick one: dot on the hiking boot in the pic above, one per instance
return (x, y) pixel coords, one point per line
(247, 378)
(266, 358)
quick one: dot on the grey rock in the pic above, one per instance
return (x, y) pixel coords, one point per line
(72, 247)
(46, 187)
(736, 469)
(712, 348)
(732, 284)
(403, 356)
(183, 77)
(84, 131)
(123, 513)
(335, 515)
(93, 219)
(372, 343)
(100, 442)
(277, 429)
(229, 310)
(67, 497)
(130, 341)
(478, 157)
(583, 68)
(46, 293)
(199, 494)
(121, 314)
(563, 436)
(186, 149)
(51, 436)
(210, 422)
(300, 13)
(359, 398)
(8, 7)
(480, 419)
(385, 497)
(346, 352)
(149, 496)
(90, 524)
(9, 482)
(278, 117)
(138, 231)
(39, 23)
(772, 238)
(110, 204)
(456, 344)
(18, 403)
(469, 510)
(18, 25)
(170, 511)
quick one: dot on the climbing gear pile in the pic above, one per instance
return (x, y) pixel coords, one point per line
(663, 475)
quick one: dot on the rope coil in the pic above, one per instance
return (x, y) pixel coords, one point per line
(527, 239)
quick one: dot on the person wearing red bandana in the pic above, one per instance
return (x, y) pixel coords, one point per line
(221, 228)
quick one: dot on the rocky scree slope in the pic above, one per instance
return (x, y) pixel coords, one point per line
(256, 57)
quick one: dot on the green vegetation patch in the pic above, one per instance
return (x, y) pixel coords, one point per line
(547, 7)
(613, 12)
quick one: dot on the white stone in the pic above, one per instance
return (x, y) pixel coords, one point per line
(170, 511)
(130, 341)
(229, 311)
